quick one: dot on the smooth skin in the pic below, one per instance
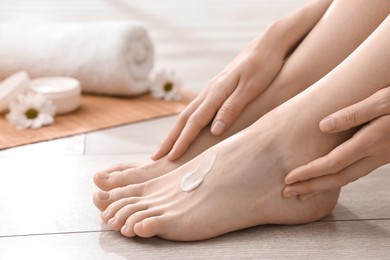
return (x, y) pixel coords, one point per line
(340, 31)
(367, 150)
(241, 81)
(232, 198)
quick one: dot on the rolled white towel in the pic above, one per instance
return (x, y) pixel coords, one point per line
(107, 57)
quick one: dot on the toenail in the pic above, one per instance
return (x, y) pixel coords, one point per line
(112, 221)
(125, 229)
(103, 176)
(139, 225)
(105, 213)
(104, 195)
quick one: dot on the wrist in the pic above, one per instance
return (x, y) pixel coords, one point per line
(275, 38)
(286, 33)
(269, 42)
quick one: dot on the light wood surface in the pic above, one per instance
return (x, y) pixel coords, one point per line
(95, 113)
(46, 210)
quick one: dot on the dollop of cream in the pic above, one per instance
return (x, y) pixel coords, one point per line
(194, 178)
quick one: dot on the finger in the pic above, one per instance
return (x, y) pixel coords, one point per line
(339, 158)
(362, 112)
(329, 182)
(201, 118)
(196, 122)
(174, 133)
(232, 108)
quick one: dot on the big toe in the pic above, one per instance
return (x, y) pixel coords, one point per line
(102, 178)
(137, 173)
(129, 228)
(111, 180)
(100, 199)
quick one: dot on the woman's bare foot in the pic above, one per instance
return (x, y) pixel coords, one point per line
(245, 192)
(132, 173)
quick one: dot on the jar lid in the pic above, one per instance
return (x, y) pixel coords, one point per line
(54, 87)
(13, 86)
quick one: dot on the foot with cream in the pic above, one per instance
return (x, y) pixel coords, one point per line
(238, 183)
(233, 185)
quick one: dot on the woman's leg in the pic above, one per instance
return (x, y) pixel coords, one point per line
(244, 186)
(336, 35)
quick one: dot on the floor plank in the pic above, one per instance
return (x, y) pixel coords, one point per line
(56, 192)
(51, 194)
(73, 145)
(330, 240)
(366, 198)
(142, 137)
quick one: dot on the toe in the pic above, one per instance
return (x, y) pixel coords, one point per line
(118, 221)
(128, 228)
(150, 227)
(114, 207)
(100, 198)
(103, 179)
(124, 175)
(109, 180)
(123, 178)
(103, 199)
(121, 167)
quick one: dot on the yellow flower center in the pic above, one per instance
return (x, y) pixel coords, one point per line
(168, 86)
(31, 113)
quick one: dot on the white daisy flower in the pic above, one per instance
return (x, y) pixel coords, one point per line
(31, 110)
(166, 85)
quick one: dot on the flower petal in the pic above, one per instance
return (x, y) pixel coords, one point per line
(19, 107)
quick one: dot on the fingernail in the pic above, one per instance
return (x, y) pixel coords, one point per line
(288, 180)
(290, 194)
(328, 124)
(153, 156)
(218, 127)
(172, 155)
(157, 151)
(307, 196)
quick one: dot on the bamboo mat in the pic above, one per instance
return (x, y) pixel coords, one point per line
(95, 113)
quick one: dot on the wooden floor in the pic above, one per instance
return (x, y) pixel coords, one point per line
(46, 210)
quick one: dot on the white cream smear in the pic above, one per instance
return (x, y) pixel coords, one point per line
(194, 178)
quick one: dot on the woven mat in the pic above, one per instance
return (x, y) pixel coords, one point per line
(95, 113)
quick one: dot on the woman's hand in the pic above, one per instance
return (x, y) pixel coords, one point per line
(367, 150)
(246, 77)
(224, 97)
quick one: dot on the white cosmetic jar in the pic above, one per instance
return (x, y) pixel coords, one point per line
(64, 92)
